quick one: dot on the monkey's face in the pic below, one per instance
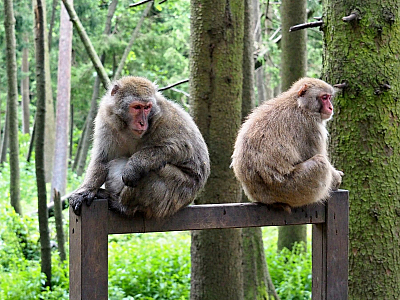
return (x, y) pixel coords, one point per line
(139, 114)
(326, 110)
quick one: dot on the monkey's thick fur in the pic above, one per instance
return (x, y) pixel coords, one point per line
(280, 154)
(157, 173)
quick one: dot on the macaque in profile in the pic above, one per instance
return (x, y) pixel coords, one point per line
(280, 155)
(147, 151)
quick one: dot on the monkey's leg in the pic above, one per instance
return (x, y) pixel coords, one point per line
(309, 182)
(161, 193)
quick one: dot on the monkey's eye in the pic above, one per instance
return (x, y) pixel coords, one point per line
(136, 107)
(325, 97)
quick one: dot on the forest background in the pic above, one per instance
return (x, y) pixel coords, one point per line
(151, 266)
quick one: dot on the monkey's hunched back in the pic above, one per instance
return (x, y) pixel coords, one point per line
(147, 150)
(280, 153)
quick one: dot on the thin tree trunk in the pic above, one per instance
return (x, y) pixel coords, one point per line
(293, 67)
(31, 142)
(25, 87)
(39, 141)
(365, 137)
(80, 143)
(132, 40)
(52, 19)
(101, 72)
(216, 89)
(259, 74)
(4, 140)
(59, 225)
(12, 101)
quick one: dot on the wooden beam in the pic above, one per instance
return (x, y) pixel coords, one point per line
(230, 215)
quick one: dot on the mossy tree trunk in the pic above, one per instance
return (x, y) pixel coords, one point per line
(216, 91)
(365, 137)
(293, 67)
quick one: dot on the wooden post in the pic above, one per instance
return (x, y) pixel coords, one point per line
(88, 270)
(88, 256)
(330, 250)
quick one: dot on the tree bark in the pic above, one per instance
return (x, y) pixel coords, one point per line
(60, 166)
(12, 107)
(216, 87)
(293, 67)
(365, 137)
(39, 140)
(25, 86)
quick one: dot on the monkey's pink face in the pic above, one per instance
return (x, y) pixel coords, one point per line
(140, 113)
(326, 110)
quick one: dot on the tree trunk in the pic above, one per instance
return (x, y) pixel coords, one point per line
(59, 225)
(365, 134)
(216, 89)
(39, 140)
(59, 181)
(259, 74)
(4, 140)
(60, 166)
(52, 19)
(50, 127)
(12, 104)
(294, 66)
(25, 86)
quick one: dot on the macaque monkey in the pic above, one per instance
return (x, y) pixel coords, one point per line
(147, 151)
(280, 154)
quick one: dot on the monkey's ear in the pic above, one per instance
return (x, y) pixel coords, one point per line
(114, 90)
(303, 90)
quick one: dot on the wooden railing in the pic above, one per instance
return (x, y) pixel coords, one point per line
(89, 239)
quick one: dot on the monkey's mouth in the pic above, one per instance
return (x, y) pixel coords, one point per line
(138, 132)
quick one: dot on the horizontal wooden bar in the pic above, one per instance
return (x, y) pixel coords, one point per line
(211, 216)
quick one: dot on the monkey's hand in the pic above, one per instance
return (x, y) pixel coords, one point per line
(80, 196)
(132, 174)
(337, 179)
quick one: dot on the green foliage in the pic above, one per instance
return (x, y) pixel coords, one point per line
(151, 266)
(20, 276)
(291, 272)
